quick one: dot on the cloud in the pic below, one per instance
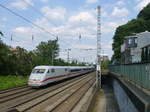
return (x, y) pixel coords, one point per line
(22, 30)
(91, 1)
(104, 14)
(85, 46)
(83, 18)
(120, 12)
(108, 45)
(142, 4)
(4, 19)
(110, 27)
(20, 4)
(120, 3)
(54, 14)
(82, 22)
(44, 0)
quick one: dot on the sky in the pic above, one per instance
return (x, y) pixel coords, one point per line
(67, 19)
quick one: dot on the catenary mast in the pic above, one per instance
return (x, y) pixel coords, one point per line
(98, 63)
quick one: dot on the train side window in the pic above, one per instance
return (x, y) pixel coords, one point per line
(66, 69)
(48, 71)
(52, 70)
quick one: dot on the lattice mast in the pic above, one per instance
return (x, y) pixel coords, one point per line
(98, 72)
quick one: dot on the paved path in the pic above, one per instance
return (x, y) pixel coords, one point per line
(105, 101)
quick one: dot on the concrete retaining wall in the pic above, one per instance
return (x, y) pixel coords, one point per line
(129, 97)
(124, 102)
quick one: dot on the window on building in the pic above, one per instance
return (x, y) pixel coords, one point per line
(130, 41)
(136, 40)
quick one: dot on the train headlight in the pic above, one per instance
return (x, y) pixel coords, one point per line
(35, 79)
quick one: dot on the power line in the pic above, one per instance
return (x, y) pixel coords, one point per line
(38, 12)
(4, 1)
(27, 20)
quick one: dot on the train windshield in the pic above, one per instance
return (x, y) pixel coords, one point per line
(38, 71)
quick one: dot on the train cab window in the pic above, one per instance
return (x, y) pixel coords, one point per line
(52, 70)
(48, 71)
(38, 71)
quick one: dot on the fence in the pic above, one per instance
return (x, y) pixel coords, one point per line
(138, 73)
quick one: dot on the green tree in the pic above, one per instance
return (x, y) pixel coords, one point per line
(144, 14)
(5, 62)
(104, 65)
(1, 33)
(141, 24)
(47, 51)
(23, 60)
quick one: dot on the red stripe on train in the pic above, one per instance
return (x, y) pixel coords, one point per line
(53, 77)
(47, 79)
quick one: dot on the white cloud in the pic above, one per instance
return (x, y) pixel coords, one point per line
(21, 4)
(83, 18)
(54, 14)
(83, 22)
(110, 27)
(4, 19)
(120, 12)
(44, 0)
(108, 45)
(120, 3)
(85, 46)
(141, 4)
(105, 14)
(22, 30)
(91, 1)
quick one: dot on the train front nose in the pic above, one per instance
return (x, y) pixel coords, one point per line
(35, 80)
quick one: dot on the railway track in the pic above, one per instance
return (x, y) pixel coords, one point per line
(27, 99)
(13, 93)
(13, 89)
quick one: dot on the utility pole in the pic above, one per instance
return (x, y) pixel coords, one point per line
(98, 64)
(68, 55)
(52, 57)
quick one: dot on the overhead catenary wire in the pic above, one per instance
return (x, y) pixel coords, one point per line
(27, 20)
(11, 39)
(4, 1)
(38, 12)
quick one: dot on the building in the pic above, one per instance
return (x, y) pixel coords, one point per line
(104, 57)
(145, 55)
(133, 46)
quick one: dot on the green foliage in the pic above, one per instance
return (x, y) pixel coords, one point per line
(141, 24)
(104, 65)
(46, 51)
(19, 61)
(145, 13)
(1, 33)
(4, 58)
(11, 81)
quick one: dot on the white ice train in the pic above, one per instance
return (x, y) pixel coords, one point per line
(42, 75)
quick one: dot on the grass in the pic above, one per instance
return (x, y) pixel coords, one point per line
(11, 81)
(104, 70)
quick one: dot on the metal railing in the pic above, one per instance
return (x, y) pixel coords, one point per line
(138, 73)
